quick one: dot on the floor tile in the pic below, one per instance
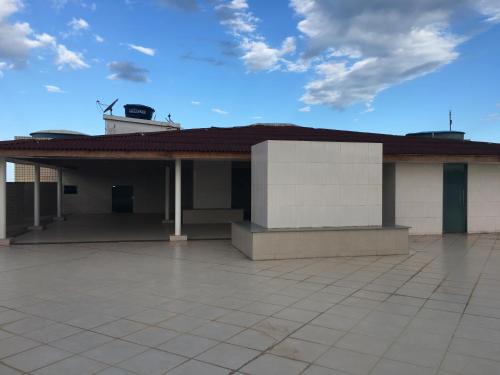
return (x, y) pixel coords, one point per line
(299, 350)
(152, 336)
(114, 351)
(272, 365)
(217, 331)
(36, 358)
(188, 345)
(81, 341)
(253, 339)
(15, 344)
(318, 334)
(194, 367)
(119, 328)
(75, 365)
(348, 361)
(152, 362)
(226, 355)
(151, 316)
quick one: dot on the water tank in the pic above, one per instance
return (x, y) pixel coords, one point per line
(139, 111)
(441, 134)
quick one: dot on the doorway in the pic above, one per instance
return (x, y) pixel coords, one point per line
(455, 198)
(122, 199)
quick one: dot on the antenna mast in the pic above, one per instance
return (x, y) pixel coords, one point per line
(451, 121)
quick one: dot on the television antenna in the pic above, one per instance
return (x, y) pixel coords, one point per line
(108, 108)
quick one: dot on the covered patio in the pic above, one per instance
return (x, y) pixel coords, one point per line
(81, 228)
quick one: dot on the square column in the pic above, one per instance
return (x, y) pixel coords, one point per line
(36, 200)
(177, 234)
(166, 219)
(4, 241)
(59, 216)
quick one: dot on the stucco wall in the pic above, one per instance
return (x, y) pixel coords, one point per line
(211, 184)
(419, 197)
(95, 181)
(483, 198)
(316, 184)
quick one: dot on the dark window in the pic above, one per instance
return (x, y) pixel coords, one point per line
(70, 189)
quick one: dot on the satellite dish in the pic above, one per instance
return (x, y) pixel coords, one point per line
(110, 107)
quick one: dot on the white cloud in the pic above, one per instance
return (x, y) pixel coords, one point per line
(220, 111)
(256, 54)
(358, 48)
(79, 24)
(126, 71)
(259, 56)
(365, 47)
(54, 89)
(66, 57)
(305, 109)
(195, 102)
(144, 50)
(17, 40)
(256, 117)
(98, 38)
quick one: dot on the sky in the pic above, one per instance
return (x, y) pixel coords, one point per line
(385, 66)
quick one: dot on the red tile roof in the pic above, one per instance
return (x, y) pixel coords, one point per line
(241, 139)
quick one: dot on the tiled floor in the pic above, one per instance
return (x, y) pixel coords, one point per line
(202, 308)
(115, 227)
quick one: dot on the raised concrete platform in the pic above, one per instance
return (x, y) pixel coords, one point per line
(211, 215)
(259, 243)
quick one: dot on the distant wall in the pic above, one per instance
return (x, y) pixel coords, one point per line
(211, 184)
(95, 180)
(419, 197)
(20, 202)
(316, 184)
(483, 198)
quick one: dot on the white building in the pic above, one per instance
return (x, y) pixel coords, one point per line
(289, 191)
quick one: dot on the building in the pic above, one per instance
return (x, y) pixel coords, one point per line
(303, 191)
(113, 125)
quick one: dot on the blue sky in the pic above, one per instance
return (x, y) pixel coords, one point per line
(395, 67)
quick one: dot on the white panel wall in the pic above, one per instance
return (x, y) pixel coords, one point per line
(211, 184)
(483, 198)
(419, 197)
(316, 184)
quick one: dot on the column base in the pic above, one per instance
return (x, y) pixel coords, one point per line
(174, 238)
(5, 242)
(36, 227)
(59, 218)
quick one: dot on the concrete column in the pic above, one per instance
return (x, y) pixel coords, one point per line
(167, 195)
(36, 200)
(4, 241)
(177, 235)
(59, 216)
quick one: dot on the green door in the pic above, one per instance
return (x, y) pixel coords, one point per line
(455, 198)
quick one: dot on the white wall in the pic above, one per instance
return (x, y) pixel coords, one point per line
(419, 197)
(316, 184)
(120, 124)
(211, 184)
(95, 181)
(483, 198)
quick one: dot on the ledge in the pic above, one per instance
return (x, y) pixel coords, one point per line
(259, 243)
